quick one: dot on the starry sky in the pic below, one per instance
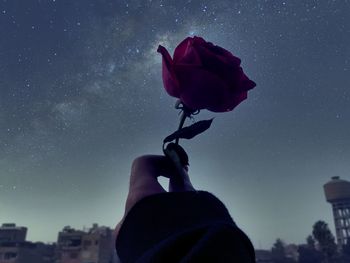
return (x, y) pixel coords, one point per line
(81, 96)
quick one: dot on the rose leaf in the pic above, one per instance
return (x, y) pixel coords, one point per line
(190, 131)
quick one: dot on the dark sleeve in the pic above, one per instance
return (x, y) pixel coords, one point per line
(182, 227)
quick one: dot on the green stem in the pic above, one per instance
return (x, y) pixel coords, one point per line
(181, 124)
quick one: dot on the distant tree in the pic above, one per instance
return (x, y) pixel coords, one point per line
(308, 252)
(310, 241)
(278, 252)
(325, 242)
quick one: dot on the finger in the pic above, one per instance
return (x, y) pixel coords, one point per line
(147, 166)
(153, 166)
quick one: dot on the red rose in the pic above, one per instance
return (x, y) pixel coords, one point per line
(204, 76)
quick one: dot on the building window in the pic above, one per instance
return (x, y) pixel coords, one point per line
(339, 212)
(10, 255)
(344, 233)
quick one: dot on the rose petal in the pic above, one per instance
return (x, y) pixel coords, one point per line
(190, 57)
(198, 41)
(240, 82)
(201, 89)
(212, 51)
(205, 76)
(236, 79)
(232, 100)
(226, 68)
(225, 54)
(249, 84)
(215, 61)
(170, 81)
(246, 83)
(180, 50)
(185, 53)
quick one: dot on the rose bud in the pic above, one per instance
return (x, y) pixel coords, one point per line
(204, 76)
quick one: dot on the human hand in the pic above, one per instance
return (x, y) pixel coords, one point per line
(145, 171)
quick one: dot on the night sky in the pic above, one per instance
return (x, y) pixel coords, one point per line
(81, 96)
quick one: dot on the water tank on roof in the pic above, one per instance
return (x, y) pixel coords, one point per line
(337, 190)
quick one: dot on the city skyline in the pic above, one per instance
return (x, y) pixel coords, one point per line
(94, 244)
(336, 191)
(81, 96)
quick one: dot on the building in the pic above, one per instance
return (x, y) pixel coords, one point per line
(12, 233)
(98, 245)
(263, 256)
(337, 192)
(26, 252)
(69, 245)
(94, 245)
(15, 249)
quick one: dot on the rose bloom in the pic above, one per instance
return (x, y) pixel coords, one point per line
(204, 76)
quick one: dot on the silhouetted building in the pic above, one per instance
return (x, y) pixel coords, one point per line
(69, 245)
(12, 233)
(15, 249)
(98, 245)
(47, 252)
(263, 256)
(337, 193)
(91, 246)
(26, 252)
(94, 245)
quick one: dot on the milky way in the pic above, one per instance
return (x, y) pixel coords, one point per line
(81, 96)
